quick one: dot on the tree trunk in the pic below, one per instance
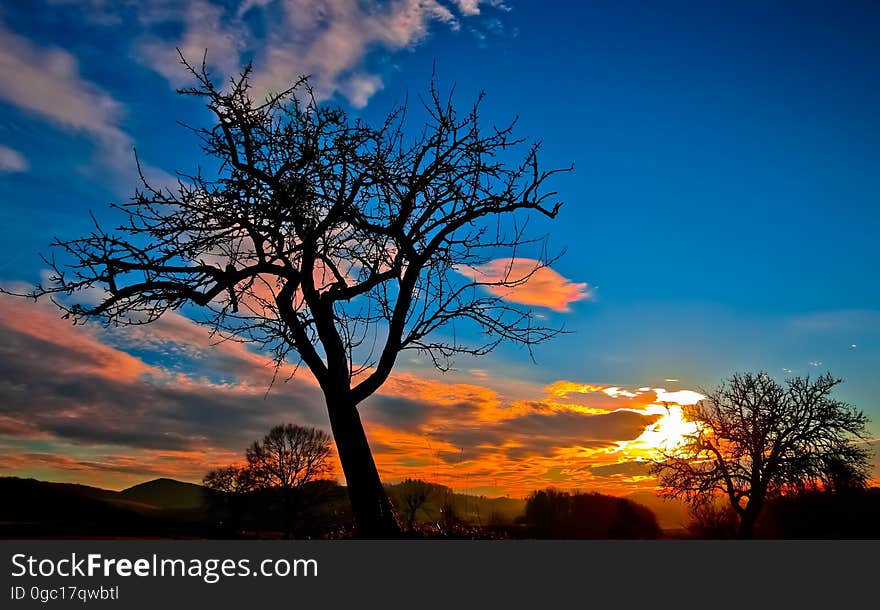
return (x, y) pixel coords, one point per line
(746, 529)
(257, 499)
(286, 514)
(748, 520)
(235, 515)
(369, 503)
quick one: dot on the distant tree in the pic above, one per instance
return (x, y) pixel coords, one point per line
(757, 439)
(835, 515)
(554, 514)
(841, 477)
(232, 480)
(451, 521)
(415, 494)
(328, 241)
(288, 458)
(229, 486)
(713, 519)
(547, 511)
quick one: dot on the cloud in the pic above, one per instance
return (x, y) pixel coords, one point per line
(70, 385)
(543, 434)
(119, 405)
(328, 39)
(468, 7)
(12, 161)
(473, 436)
(204, 28)
(46, 82)
(545, 287)
(622, 469)
(837, 321)
(105, 467)
(360, 88)
(679, 397)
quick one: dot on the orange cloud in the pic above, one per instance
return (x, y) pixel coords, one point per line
(544, 288)
(74, 408)
(490, 441)
(44, 324)
(113, 470)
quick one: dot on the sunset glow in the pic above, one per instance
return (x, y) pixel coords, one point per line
(676, 210)
(489, 435)
(668, 432)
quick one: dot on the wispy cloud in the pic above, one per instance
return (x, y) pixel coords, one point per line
(46, 82)
(12, 161)
(328, 39)
(204, 27)
(838, 321)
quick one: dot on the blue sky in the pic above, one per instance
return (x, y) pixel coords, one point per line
(724, 205)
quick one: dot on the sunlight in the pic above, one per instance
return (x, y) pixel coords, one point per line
(671, 429)
(679, 397)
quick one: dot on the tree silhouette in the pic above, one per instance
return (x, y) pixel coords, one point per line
(554, 514)
(713, 518)
(415, 494)
(230, 486)
(757, 439)
(288, 458)
(327, 241)
(232, 480)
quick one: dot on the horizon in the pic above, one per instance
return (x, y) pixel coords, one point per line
(719, 219)
(341, 484)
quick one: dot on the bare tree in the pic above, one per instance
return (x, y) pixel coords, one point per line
(415, 494)
(232, 480)
(229, 487)
(287, 459)
(756, 439)
(713, 519)
(330, 242)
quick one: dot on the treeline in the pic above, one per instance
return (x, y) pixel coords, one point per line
(426, 510)
(807, 514)
(553, 514)
(172, 509)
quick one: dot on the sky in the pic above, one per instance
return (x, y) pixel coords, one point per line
(722, 216)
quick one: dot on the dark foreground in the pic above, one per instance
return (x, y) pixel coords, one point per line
(165, 508)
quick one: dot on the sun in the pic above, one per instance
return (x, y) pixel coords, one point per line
(669, 431)
(672, 428)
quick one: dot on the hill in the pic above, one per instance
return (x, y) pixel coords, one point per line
(37, 509)
(165, 494)
(168, 508)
